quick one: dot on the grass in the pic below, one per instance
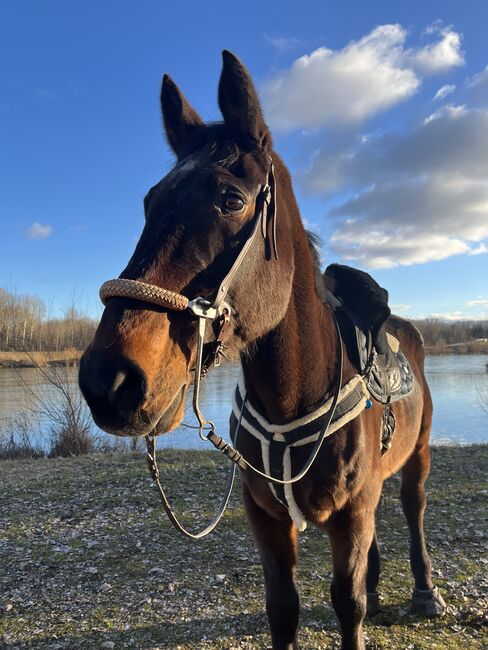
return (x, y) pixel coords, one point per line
(88, 560)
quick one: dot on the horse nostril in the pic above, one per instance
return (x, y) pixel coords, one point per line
(112, 384)
(128, 390)
(118, 381)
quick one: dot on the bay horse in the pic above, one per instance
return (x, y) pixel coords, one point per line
(135, 373)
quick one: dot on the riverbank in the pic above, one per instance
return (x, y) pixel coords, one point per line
(18, 359)
(90, 561)
(22, 359)
(475, 347)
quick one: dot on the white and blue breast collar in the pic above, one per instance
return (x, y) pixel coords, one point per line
(277, 440)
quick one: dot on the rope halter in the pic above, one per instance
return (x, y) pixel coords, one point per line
(137, 290)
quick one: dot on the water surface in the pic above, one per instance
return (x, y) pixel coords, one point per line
(458, 384)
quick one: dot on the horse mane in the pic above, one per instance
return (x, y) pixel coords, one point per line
(314, 243)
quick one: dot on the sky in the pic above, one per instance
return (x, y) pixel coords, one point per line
(379, 109)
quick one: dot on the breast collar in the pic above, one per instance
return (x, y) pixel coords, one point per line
(277, 441)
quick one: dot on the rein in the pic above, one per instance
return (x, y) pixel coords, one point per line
(220, 311)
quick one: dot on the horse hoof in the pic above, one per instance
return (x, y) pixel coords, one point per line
(373, 603)
(428, 602)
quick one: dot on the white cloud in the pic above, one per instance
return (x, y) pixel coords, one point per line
(400, 309)
(455, 315)
(349, 85)
(479, 250)
(441, 55)
(478, 301)
(477, 88)
(449, 110)
(444, 91)
(39, 231)
(414, 197)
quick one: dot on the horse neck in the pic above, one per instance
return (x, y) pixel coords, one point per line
(293, 367)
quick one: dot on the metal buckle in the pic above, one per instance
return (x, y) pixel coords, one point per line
(266, 191)
(202, 308)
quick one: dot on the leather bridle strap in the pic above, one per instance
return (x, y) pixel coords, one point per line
(265, 198)
(154, 469)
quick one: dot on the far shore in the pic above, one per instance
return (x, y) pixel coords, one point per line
(470, 347)
(33, 359)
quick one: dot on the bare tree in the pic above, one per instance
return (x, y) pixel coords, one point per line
(26, 324)
(64, 408)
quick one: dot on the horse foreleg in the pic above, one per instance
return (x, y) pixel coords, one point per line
(351, 533)
(426, 599)
(277, 544)
(373, 577)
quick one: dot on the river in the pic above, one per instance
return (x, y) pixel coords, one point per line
(458, 384)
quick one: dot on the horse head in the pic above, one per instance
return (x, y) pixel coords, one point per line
(135, 373)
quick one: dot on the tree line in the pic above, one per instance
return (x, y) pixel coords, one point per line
(26, 325)
(438, 332)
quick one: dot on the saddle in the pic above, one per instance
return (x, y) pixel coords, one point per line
(361, 308)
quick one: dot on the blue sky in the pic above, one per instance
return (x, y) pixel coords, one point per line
(380, 110)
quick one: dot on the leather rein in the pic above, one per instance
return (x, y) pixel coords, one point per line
(218, 311)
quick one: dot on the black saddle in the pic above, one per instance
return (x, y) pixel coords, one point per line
(361, 307)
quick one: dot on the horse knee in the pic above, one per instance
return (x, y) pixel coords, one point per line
(413, 500)
(349, 603)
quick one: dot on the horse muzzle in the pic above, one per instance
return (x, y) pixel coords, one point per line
(116, 391)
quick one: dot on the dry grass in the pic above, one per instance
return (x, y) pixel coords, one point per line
(473, 347)
(21, 359)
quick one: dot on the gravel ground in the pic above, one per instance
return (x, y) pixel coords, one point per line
(88, 560)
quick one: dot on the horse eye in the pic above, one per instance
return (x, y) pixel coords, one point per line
(233, 203)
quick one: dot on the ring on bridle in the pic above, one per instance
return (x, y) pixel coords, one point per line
(217, 310)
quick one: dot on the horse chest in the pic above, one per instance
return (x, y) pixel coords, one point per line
(283, 455)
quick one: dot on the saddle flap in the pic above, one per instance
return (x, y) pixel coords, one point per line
(393, 342)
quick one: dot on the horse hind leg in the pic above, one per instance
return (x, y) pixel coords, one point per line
(426, 599)
(372, 578)
(277, 542)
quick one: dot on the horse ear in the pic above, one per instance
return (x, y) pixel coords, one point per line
(180, 119)
(239, 104)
